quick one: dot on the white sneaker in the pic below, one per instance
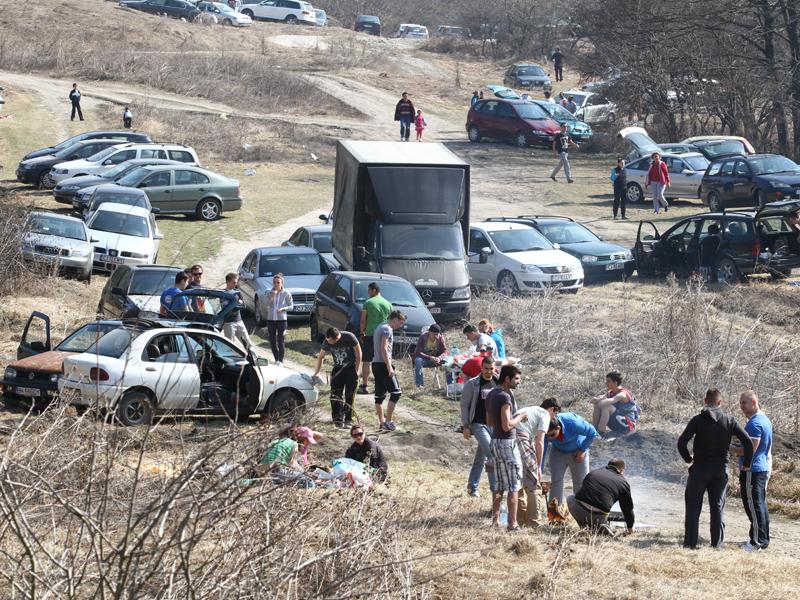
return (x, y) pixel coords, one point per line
(748, 547)
(278, 363)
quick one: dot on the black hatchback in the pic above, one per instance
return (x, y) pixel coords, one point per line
(368, 24)
(341, 296)
(753, 180)
(747, 243)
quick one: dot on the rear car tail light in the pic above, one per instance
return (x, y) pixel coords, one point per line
(98, 374)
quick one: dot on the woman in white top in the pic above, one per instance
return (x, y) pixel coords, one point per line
(278, 303)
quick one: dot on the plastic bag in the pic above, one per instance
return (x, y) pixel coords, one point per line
(352, 470)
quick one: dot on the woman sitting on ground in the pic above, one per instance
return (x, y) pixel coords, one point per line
(367, 451)
(616, 409)
(485, 326)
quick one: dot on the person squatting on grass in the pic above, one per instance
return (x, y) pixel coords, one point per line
(506, 458)
(712, 431)
(383, 369)
(346, 352)
(369, 452)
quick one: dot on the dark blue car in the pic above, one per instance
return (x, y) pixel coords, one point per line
(754, 180)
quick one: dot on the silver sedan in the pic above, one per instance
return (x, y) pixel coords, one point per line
(685, 174)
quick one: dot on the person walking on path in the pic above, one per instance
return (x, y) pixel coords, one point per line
(75, 99)
(561, 146)
(658, 177)
(506, 458)
(753, 481)
(619, 180)
(570, 437)
(369, 452)
(419, 125)
(375, 311)
(127, 118)
(530, 436)
(712, 431)
(558, 64)
(278, 302)
(233, 326)
(601, 489)
(473, 422)
(383, 369)
(346, 352)
(404, 112)
(615, 409)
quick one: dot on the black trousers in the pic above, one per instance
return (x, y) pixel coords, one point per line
(754, 498)
(714, 480)
(385, 384)
(76, 106)
(343, 393)
(619, 199)
(127, 122)
(277, 331)
(559, 72)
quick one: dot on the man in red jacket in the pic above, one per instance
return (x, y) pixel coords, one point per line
(658, 177)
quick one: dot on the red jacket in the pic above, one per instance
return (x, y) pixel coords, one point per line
(657, 174)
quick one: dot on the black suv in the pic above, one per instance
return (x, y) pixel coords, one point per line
(748, 243)
(110, 134)
(134, 290)
(179, 9)
(753, 180)
(341, 297)
(368, 24)
(36, 170)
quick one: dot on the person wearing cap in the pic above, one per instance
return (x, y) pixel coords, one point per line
(430, 352)
(306, 437)
(367, 451)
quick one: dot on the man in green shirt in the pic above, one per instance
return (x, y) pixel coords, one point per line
(374, 312)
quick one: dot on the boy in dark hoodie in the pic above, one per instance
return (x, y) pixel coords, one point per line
(712, 431)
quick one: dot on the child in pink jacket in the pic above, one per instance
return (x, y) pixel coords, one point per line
(420, 124)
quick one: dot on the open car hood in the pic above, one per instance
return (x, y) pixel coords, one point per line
(46, 362)
(639, 140)
(778, 208)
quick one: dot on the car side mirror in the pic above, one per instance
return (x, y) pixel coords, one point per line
(158, 236)
(485, 252)
(246, 276)
(107, 162)
(323, 218)
(687, 172)
(117, 291)
(557, 246)
(93, 240)
(262, 362)
(341, 299)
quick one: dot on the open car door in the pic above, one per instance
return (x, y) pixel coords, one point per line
(35, 336)
(644, 251)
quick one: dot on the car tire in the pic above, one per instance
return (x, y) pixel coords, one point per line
(284, 403)
(507, 284)
(634, 193)
(209, 209)
(135, 408)
(474, 134)
(41, 184)
(521, 139)
(249, 13)
(260, 320)
(761, 199)
(728, 272)
(291, 20)
(714, 205)
(314, 327)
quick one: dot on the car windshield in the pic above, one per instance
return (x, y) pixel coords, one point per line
(368, 19)
(399, 293)
(556, 111)
(427, 242)
(579, 98)
(224, 8)
(98, 156)
(291, 264)
(118, 198)
(151, 282)
(113, 344)
(531, 111)
(770, 165)
(530, 72)
(85, 337)
(66, 228)
(134, 177)
(322, 242)
(120, 170)
(66, 152)
(519, 240)
(718, 148)
(122, 223)
(566, 233)
(696, 163)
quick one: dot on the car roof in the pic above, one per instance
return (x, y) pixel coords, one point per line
(370, 275)
(317, 228)
(281, 250)
(722, 157)
(182, 165)
(152, 267)
(47, 213)
(579, 92)
(125, 209)
(397, 153)
(110, 187)
(675, 155)
(498, 225)
(152, 161)
(138, 145)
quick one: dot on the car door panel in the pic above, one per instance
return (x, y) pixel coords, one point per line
(158, 188)
(247, 279)
(168, 369)
(742, 184)
(480, 274)
(647, 250)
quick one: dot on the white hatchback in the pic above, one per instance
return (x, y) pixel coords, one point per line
(516, 259)
(124, 235)
(136, 372)
(293, 12)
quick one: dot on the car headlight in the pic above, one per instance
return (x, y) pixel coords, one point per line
(628, 255)
(69, 187)
(461, 293)
(11, 373)
(79, 253)
(531, 269)
(60, 171)
(589, 258)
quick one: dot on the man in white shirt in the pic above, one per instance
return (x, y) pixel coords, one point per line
(481, 341)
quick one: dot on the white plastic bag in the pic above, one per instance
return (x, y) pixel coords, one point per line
(352, 470)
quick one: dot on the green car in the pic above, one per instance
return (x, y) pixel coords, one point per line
(183, 189)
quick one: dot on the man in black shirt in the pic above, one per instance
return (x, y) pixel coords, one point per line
(367, 451)
(346, 352)
(233, 326)
(473, 422)
(620, 181)
(558, 63)
(712, 431)
(561, 145)
(75, 99)
(600, 490)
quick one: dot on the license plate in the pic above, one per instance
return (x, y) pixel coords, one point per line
(562, 277)
(29, 392)
(435, 310)
(404, 340)
(615, 266)
(302, 307)
(110, 259)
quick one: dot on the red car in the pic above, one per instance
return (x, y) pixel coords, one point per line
(518, 121)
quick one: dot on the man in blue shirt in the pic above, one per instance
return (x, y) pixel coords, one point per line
(570, 437)
(169, 304)
(753, 481)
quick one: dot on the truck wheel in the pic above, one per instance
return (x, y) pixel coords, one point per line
(474, 134)
(714, 204)
(209, 209)
(521, 139)
(135, 408)
(507, 284)
(728, 271)
(634, 193)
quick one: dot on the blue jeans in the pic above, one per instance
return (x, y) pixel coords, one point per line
(405, 127)
(754, 498)
(483, 435)
(423, 363)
